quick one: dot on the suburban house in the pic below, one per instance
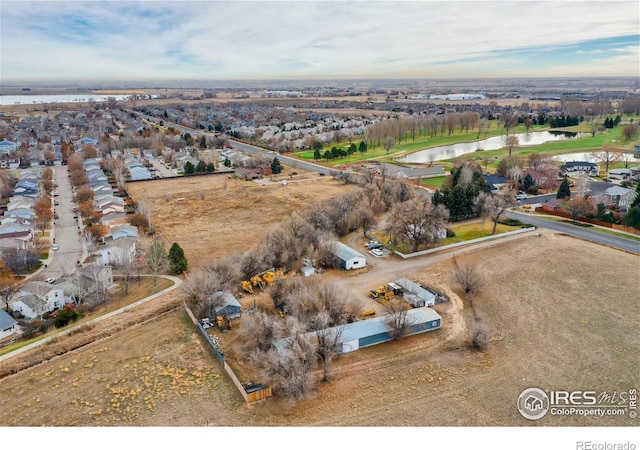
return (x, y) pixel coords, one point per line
(37, 298)
(411, 173)
(540, 180)
(123, 249)
(225, 305)
(495, 181)
(348, 258)
(617, 196)
(619, 174)
(246, 174)
(364, 333)
(571, 168)
(96, 277)
(8, 325)
(6, 147)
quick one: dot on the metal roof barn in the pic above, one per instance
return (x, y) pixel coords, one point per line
(369, 332)
(348, 258)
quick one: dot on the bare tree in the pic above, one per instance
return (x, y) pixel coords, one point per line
(289, 367)
(511, 141)
(493, 205)
(328, 342)
(389, 143)
(607, 156)
(479, 338)
(398, 319)
(9, 287)
(418, 222)
(157, 259)
(260, 330)
(468, 278)
(145, 208)
(578, 207)
(127, 265)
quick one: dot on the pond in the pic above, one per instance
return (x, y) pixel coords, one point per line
(493, 143)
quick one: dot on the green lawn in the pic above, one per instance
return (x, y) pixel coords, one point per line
(586, 144)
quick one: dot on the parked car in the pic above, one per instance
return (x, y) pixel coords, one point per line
(377, 252)
(371, 243)
(521, 196)
(50, 280)
(54, 247)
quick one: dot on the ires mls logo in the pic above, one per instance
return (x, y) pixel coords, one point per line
(533, 403)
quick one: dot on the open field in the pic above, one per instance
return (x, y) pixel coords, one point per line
(555, 326)
(220, 216)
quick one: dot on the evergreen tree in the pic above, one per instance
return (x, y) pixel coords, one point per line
(276, 168)
(352, 149)
(317, 155)
(327, 155)
(528, 182)
(563, 191)
(362, 148)
(335, 153)
(177, 259)
(201, 166)
(203, 142)
(211, 168)
(636, 201)
(632, 219)
(227, 162)
(189, 168)
(437, 198)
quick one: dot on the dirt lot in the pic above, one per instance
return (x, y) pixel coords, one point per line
(555, 326)
(219, 216)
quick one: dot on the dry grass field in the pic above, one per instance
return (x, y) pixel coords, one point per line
(555, 325)
(562, 314)
(218, 216)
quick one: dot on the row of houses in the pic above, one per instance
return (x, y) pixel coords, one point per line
(17, 223)
(121, 237)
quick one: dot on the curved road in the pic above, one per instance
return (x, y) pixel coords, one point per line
(177, 284)
(619, 242)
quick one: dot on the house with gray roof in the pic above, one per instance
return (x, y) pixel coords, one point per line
(410, 173)
(617, 196)
(8, 325)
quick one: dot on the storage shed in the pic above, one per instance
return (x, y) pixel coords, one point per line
(364, 333)
(226, 305)
(415, 294)
(348, 258)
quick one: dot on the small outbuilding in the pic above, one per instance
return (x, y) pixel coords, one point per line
(226, 305)
(348, 258)
(307, 271)
(415, 294)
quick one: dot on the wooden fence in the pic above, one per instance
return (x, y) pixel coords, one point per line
(259, 392)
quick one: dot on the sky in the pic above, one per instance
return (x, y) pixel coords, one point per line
(267, 40)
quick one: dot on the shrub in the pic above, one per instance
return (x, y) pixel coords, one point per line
(65, 317)
(511, 222)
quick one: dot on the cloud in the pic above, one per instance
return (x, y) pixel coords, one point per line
(312, 39)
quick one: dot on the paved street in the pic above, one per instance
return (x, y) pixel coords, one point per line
(65, 231)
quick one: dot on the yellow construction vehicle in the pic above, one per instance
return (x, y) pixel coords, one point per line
(381, 292)
(368, 312)
(268, 277)
(246, 286)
